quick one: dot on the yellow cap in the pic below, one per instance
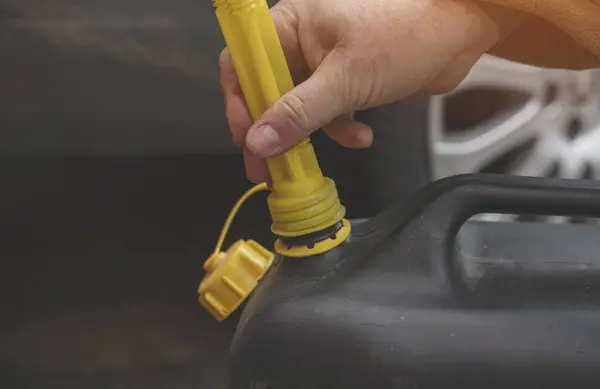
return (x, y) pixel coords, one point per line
(232, 276)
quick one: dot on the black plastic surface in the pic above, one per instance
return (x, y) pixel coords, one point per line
(397, 307)
(391, 170)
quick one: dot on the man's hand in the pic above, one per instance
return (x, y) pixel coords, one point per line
(349, 55)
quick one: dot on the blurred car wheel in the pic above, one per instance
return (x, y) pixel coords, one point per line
(509, 118)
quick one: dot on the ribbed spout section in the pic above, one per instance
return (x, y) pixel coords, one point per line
(235, 5)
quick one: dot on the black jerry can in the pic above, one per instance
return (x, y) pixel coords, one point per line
(401, 304)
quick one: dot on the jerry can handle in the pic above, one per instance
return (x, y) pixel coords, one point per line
(449, 202)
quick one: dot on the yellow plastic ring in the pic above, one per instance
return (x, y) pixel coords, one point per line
(319, 247)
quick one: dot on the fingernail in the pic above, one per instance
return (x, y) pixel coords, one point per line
(263, 141)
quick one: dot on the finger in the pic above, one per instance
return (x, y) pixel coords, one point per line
(303, 110)
(228, 78)
(238, 118)
(286, 24)
(256, 168)
(285, 20)
(236, 110)
(349, 133)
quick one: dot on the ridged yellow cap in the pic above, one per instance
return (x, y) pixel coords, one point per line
(232, 276)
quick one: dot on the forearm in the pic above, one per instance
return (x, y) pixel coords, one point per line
(554, 33)
(579, 18)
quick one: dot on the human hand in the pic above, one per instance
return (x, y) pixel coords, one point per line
(350, 55)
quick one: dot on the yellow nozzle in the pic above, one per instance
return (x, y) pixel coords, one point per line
(302, 201)
(307, 214)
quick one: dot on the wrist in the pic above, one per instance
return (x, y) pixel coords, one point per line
(493, 23)
(506, 20)
(553, 33)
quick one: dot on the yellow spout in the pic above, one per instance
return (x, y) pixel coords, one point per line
(302, 200)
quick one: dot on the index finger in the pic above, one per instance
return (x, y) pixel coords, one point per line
(236, 110)
(228, 78)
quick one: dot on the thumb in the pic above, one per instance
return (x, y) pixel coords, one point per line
(302, 111)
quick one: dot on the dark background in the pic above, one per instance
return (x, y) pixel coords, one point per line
(101, 261)
(116, 173)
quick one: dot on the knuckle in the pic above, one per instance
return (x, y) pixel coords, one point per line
(356, 62)
(224, 59)
(360, 84)
(283, 12)
(294, 110)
